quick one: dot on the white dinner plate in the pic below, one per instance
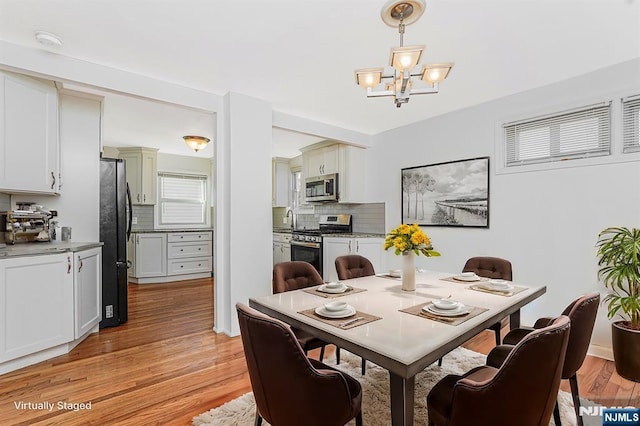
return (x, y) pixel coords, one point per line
(449, 307)
(461, 278)
(461, 310)
(323, 288)
(349, 311)
(488, 286)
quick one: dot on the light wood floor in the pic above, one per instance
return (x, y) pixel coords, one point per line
(166, 365)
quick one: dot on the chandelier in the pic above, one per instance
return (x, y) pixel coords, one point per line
(404, 76)
(196, 143)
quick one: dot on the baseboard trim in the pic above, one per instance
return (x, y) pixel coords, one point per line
(601, 352)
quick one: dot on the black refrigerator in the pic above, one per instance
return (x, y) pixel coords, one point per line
(115, 230)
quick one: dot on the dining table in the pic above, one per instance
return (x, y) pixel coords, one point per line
(396, 329)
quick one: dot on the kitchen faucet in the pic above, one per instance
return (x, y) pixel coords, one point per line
(293, 218)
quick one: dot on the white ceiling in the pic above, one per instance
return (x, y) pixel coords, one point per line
(300, 54)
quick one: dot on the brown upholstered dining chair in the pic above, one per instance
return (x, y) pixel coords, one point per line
(289, 388)
(353, 266)
(348, 267)
(288, 276)
(490, 267)
(522, 391)
(582, 313)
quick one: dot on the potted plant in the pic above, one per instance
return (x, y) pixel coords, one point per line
(619, 253)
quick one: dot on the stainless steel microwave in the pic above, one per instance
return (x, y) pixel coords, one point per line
(322, 188)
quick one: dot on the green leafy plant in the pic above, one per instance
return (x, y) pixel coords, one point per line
(619, 252)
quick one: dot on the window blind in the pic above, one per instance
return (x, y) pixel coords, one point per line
(182, 199)
(572, 134)
(631, 124)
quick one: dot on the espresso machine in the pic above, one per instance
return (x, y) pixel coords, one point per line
(25, 225)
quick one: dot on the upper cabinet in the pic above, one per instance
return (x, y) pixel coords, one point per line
(346, 160)
(142, 174)
(280, 185)
(29, 147)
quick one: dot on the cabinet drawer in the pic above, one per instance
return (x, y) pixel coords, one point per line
(195, 249)
(189, 266)
(175, 237)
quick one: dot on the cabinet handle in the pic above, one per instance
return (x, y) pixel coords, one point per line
(80, 267)
(60, 180)
(53, 182)
(68, 264)
(182, 266)
(199, 248)
(138, 197)
(357, 246)
(349, 246)
(199, 236)
(137, 239)
(181, 249)
(144, 198)
(199, 264)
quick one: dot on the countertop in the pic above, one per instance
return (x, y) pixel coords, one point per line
(151, 231)
(330, 234)
(37, 249)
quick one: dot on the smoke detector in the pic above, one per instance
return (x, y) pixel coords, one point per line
(48, 39)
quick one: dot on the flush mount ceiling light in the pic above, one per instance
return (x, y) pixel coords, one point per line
(196, 143)
(404, 76)
(48, 39)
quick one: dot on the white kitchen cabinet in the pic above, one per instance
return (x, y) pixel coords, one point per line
(345, 160)
(29, 143)
(158, 257)
(333, 247)
(142, 173)
(150, 255)
(36, 298)
(281, 248)
(87, 296)
(280, 185)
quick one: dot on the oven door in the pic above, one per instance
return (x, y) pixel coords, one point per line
(307, 252)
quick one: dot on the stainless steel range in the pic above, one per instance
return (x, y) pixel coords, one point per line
(306, 244)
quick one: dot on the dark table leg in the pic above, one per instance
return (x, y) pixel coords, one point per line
(514, 320)
(401, 399)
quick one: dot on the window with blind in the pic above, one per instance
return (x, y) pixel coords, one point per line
(569, 135)
(181, 199)
(631, 124)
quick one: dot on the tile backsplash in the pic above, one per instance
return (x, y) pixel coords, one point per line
(144, 215)
(367, 218)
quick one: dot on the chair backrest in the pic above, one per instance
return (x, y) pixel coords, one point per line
(288, 390)
(294, 275)
(524, 390)
(489, 267)
(353, 266)
(582, 313)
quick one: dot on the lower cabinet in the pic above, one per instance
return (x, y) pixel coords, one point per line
(161, 257)
(281, 248)
(48, 303)
(87, 294)
(333, 247)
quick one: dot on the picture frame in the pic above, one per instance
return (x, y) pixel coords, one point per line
(452, 194)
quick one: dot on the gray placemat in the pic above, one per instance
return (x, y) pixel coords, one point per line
(516, 289)
(350, 290)
(366, 318)
(417, 311)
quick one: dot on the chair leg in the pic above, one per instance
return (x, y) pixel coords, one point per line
(321, 353)
(556, 415)
(573, 382)
(359, 419)
(258, 420)
(337, 355)
(364, 366)
(440, 362)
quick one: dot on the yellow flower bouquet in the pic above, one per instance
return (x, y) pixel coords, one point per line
(407, 238)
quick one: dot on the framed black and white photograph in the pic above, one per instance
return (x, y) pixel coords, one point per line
(455, 193)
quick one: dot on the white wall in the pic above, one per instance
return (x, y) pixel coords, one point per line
(79, 204)
(243, 207)
(545, 222)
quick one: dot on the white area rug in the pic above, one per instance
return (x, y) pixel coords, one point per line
(375, 393)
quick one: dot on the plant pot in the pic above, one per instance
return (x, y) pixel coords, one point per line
(626, 350)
